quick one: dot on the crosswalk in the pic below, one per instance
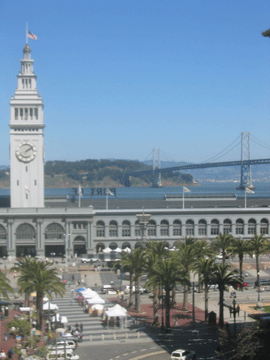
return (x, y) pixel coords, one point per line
(93, 328)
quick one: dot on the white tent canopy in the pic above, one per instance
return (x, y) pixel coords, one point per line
(88, 293)
(96, 300)
(118, 307)
(59, 318)
(50, 306)
(117, 250)
(97, 307)
(127, 250)
(107, 250)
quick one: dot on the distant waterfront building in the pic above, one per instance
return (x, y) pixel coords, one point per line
(27, 227)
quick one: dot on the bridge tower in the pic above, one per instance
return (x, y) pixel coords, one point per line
(246, 180)
(156, 177)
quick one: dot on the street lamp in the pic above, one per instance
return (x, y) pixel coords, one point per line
(143, 221)
(234, 310)
(66, 248)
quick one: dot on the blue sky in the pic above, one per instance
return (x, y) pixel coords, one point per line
(119, 78)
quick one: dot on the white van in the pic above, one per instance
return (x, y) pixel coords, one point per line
(61, 355)
(62, 345)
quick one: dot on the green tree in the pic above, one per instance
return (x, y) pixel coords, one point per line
(205, 267)
(223, 243)
(139, 267)
(155, 250)
(167, 272)
(240, 247)
(202, 250)
(4, 286)
(223, 277)
(259, 245)
(186, 258)
(37, 276)
(127, 260)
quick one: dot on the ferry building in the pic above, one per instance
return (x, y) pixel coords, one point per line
(36, 226)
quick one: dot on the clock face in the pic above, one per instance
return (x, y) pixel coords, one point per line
(26, 151)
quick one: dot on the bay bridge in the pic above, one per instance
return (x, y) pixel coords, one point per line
(245, 165)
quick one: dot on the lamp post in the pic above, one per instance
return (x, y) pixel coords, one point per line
(143, 221)
(234, 310)
(66, 248)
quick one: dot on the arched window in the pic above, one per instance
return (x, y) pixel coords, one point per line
(113, 246)
(126, 245)
(54, 231)
(264, 226)
(3, 233)
(137, 228)
(100, 229)
(189, 228)
(202, 228)
(164, 228)
(239, 227)
(79, 239)
(113, 229)
(25, 231)
(152, 228)
(100, 247)
(177, 228)
(251, 226)
(125, 228)
(138, 244)
(214, 227)
(227, 226)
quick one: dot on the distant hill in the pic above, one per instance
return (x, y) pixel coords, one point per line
(101, 173)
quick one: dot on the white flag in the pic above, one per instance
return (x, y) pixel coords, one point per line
(80, 191)
(249, 191)
(26, 189)
(186, 189)
(109, 192)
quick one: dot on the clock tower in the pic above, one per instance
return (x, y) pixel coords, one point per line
(26, 139)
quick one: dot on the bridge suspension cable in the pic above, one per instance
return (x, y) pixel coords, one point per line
(259, 142)
(221, 152)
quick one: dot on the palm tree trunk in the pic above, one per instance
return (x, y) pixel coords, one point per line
(40, 310)
(241, 269)
(206, 303)
(173, 296)
(26, 298)
(167, 307)
(258, 270)
(199, 285)
(185, 297)
(138, 295)
(130, 288)
(221, 299)
(155, 305)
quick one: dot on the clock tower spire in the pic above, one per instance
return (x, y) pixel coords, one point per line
(26, 139)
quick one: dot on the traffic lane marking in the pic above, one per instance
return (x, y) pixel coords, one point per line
(149, 354)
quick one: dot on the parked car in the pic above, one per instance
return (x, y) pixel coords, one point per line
(109, 289)
(181, 354)
(126, 291)
(64, 344)
(89, 260)
(263, 282)
(61, 355)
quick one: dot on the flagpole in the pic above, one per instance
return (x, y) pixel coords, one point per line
(107, 198)
(245, 197)
(26, 32)
(183, 198)
(80, 190)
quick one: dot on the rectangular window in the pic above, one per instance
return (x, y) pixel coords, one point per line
(239, 230)
(113, 233)
(26, 114)
(21, 113)
(18, 182)
(36, 113)
(215, 230)
(251, 230)
(125, 232)
(16, 114)
(31, 113)
(137, 232)
(35, 182)
(177, 232)
(26, 83)
(30, 84)
(164, 232)
(26, 168)
(190, 231)
(101, 233)
(23, 83)
(26, 196)
(202, 231)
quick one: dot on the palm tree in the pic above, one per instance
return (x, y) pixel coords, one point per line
(223, 277)
(223, 242)
(127, 261)
(205, 267)
(155, 250)
(139, 267)
(186, 258)
(39, 277)
(167, 271)
(4, 286)
(259, 245)
(240, 247)
(203, 250)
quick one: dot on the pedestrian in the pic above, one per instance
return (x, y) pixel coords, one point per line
(3, 354)
(6, 336)
(81, 327)
(175, 322)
